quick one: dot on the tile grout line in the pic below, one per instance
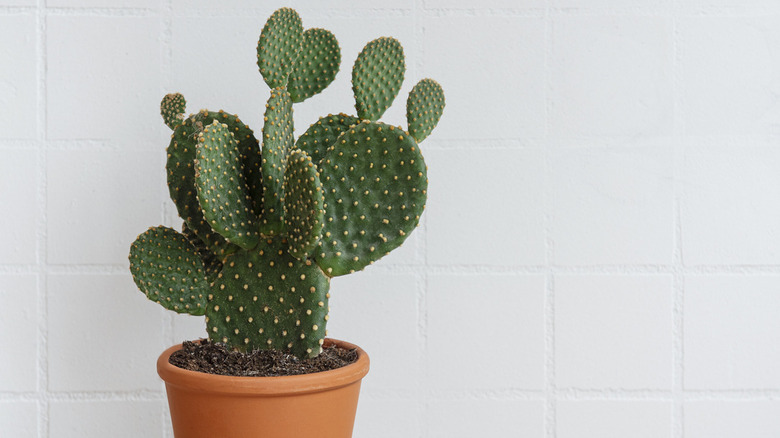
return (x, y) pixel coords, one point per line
(550, 388)
(42, 391)
(423, 405)
(166, 16)
(678, 282)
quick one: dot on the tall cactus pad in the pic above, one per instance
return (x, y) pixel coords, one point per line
(424, 108)
(375, 190)
(181, 172)
(322, 134)
(316, 66)
(303, 205)
(278, 141)
(377, 77)
(266, 299)
(279, 45)
(167, 268)
(222, 193)
(172, 109)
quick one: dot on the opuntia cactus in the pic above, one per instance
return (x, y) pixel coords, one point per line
(266, 228)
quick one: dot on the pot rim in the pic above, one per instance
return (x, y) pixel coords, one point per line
(265, 386)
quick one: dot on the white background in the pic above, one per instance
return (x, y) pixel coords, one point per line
(600, 255)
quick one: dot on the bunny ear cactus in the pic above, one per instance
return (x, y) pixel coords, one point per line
(265, 228)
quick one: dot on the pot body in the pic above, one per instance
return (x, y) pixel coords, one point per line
(321, 405)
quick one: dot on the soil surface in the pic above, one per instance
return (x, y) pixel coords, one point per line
(211, 358)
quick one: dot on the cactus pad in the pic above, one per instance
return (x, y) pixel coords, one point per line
(375, 190)
(279, 45)
(218, 166)
(377, 76)
(323, 133)
(267, 299)
(303, 205)
(167, 268)
(181, 172)
(172, 109)
(211, 263)
(424, 108)
(316, 65)
(277, 143)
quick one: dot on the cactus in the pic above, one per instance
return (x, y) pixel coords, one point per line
(266, 228)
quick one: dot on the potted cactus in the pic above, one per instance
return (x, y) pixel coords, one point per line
(268, 223)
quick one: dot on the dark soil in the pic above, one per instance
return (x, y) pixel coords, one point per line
(211, 358)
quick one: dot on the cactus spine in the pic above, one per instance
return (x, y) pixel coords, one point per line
(265, 228)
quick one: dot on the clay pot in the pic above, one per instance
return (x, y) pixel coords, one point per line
(318, 405)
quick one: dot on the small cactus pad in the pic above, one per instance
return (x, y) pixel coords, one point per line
(424, 108)
(303, 205)
(211, 263)
(377, 77)
(181, 172)
(172, 109)
(375, 190)
(167, 268)
(316, 65)
(266, 299)
(223, 195)
(279, 45)
(277, 144)
(323, 133)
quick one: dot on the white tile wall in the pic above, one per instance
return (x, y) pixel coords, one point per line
(729, 419)
(98, 419)
(469, 418)
(18, 195)
(19, 85)
(599, 256)
(19, 419)
(613, 331)
(475, 317)
(103, 334)
(629, 96)
(732, 333)
(613, 205)
(19, 322)
(615, 419)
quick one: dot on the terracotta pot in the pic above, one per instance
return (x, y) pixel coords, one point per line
(318, 405)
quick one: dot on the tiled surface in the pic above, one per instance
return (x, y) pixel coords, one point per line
(613, 331)
(19, 85)
(615, 419)
(740, 354)
(728, 419)
(96, 419)
(463, 315)
(599, 256)
(99, 323)
(19, 321)
(19, 185)
(19, 419)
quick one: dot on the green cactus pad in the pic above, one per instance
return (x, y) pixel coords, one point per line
(211, 263)
(377, 77)
(222, 193)
(266, 299)
(181, 172)
(277, 144)
(323, 133)
(424, 108)
(172, 109)
(303, 205)
(375, 190)
(167, 268)
(316, 65)
(279, 45)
